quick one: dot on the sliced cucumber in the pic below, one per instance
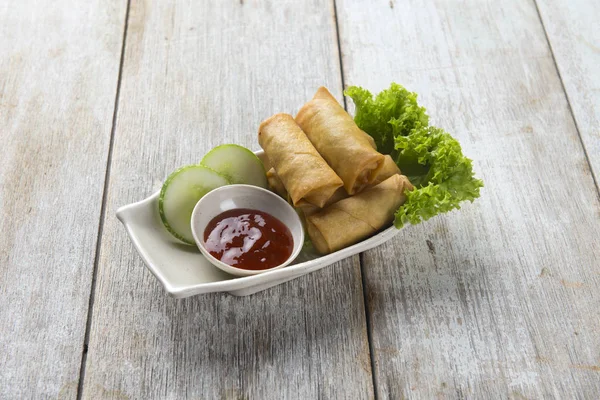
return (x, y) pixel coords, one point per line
(179, 195)
(237, 164)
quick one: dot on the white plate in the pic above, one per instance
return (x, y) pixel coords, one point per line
(184, 271)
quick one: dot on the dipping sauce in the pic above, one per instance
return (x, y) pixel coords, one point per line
(248, 239)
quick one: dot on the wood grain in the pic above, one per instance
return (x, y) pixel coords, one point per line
(59, 64)
(198, 74)
(500, 299)
(573, 30)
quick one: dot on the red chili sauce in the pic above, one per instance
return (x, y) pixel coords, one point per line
(248, 239)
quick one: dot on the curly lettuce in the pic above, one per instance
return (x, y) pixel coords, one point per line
(393, 112)
(430, 157)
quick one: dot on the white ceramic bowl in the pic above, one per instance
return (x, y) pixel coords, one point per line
(244, 196)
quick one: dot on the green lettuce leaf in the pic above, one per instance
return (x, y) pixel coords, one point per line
(430, 157)
(443, 176)
(392, 113)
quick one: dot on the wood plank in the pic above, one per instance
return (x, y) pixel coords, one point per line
(500, 299)
(573, 30)
(198, 74)
(59, 64)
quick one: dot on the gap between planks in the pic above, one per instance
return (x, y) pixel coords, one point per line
(360, 256)
(88, 323)
(562, 83)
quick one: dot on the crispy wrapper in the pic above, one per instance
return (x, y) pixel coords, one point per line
(307, 178)
(346, 148)
(355, 218)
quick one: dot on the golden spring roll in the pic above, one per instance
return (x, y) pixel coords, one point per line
(345, 147)
(324, 94)
(305, 174)
(275, 184)
(353, 219)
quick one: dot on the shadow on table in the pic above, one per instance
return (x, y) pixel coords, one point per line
(309, 328)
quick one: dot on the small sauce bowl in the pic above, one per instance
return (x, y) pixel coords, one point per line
(231, 197)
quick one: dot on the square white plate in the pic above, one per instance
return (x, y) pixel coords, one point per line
(184, 271)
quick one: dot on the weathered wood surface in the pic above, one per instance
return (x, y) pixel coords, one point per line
(198, 74)
(573, 29)
(501, 299)
(59, 63)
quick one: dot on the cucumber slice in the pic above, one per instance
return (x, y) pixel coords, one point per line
(179, 195)
(237, 164)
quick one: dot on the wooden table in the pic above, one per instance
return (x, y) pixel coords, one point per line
(100, 100)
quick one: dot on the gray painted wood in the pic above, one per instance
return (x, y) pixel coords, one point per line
(574, 33)
(502, 298)
(198, 74)
(59, 64)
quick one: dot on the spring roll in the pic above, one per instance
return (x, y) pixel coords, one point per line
(353, 219)
(345, 147)
(324, 94)
(305, 174)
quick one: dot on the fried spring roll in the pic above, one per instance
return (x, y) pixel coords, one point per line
(345, 147)
(305, 174)
(355, 218)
